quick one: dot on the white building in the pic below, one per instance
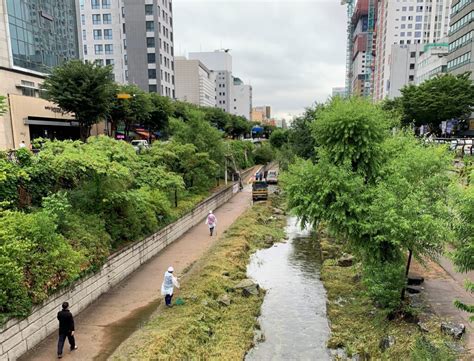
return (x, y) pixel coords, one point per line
(135, 36)
(220, 62)
(241, 99)
(405, 23)
(432, 62)
(194, 82)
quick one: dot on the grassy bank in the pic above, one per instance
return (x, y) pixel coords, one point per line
(358, 326)
(204, 328)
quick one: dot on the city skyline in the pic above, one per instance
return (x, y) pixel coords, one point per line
(310, 47)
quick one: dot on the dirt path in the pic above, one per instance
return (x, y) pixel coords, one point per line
(114, 316)
(441, 287)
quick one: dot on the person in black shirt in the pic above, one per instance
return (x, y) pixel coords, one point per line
(66, 329)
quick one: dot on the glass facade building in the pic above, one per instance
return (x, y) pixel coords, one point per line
(43, 33)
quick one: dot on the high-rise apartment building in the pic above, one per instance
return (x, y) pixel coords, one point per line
(461, 33)
(403, 23)
(195, 83)
(241, 99)
(220, 62)
(135, 36)
(432, 62)
(35, 36)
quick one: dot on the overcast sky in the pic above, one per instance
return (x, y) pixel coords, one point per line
(291, 51)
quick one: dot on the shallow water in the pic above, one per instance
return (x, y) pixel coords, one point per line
(293, 317)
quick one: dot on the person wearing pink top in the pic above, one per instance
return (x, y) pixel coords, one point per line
(211, 221)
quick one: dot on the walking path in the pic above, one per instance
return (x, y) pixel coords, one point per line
(441, 287)
(114, 316)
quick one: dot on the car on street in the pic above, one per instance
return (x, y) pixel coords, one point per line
(139, 144)
(272, 177)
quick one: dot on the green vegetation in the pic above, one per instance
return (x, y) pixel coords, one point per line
(3, 105)
(358, 326)
(63, 210)
(386, 194)
(464, 253)
(435, 100)
(83, 88)
(203, 328)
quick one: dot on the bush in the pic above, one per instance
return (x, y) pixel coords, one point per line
(39, 257)
(384, 282)
(263, 154)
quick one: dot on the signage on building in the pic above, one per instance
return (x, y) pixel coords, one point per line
(55, 109)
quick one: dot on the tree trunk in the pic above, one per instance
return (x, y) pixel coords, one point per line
(410, 253)
(176, 198)
(84, 132)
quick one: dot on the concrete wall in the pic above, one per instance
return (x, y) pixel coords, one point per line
(19, 336)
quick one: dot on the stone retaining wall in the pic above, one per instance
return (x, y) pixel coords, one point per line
(18, 336)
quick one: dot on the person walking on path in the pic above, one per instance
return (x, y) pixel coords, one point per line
(66, 329)
(211, 221)
(167, 287)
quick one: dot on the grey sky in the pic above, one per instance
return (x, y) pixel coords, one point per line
(292, 52)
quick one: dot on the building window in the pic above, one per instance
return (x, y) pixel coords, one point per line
(151, 57)
(84, 37)
(98, 49)
(125, 43)
(107, 18)
(109, 49)
(83, 19)
(417, 34)
(109, 62)
(413, 54)
(411, 78)
(152, 88)
(125, 59)
(97, 34)
(96, 19)
(108, 34)
(105, 4)
(27, 90)
(151, 73)
(148, 9)
(95, 4)
(412, 66)
(150, 26)
(85, 49)
(150, 42)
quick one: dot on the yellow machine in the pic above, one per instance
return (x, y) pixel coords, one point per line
(259, 190)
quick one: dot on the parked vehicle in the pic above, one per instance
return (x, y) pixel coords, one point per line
(259, 190)
(272, 177)
(139, 145)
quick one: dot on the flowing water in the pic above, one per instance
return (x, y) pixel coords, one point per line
(293, 317)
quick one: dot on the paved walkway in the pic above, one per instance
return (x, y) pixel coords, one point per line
(441, 287)
(114, 316)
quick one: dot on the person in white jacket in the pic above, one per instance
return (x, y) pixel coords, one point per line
(211, 221)
(167, 287)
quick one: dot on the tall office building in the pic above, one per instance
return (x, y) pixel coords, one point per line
(399, 26)
(220, 62)
(35, 36)
(461, 33)
(195, 83)
(135, 36)
(241, 99)
(432, 62)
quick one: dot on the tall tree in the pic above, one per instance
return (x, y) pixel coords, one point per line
(83, 88)
(385, 195)
(162, 110)
(435, 100)
(134, 110)
(237, 126)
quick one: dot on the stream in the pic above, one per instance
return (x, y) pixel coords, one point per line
(293, 315)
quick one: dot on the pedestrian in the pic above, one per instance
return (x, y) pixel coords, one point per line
(22, 144)
(211, 221)
(66, 329)
(167, 287)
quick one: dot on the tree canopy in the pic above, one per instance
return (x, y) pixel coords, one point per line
(83, 88)
(438, 99)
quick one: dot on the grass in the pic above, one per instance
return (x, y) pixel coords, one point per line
(358, 326)
(203, 328)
